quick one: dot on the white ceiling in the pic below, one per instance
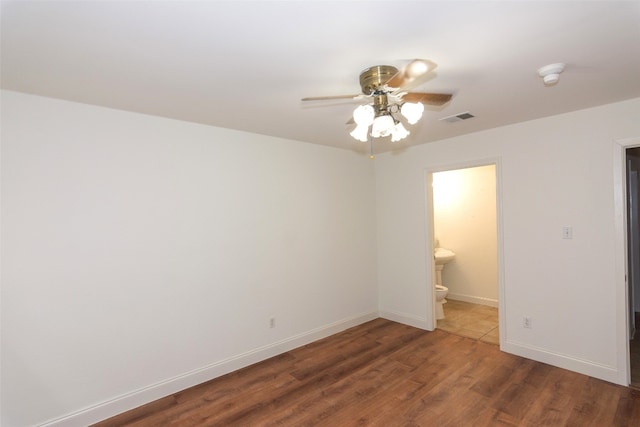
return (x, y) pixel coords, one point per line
(246, 64)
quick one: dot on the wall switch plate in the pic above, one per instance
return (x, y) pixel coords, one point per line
(272, 322)
(527, 322)
(567, 232)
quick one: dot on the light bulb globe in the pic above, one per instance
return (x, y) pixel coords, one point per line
(360, 133)
(399, 132)
(363, 115)
(382, 126)
(412, 111)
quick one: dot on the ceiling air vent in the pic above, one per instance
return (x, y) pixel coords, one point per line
(457, 117)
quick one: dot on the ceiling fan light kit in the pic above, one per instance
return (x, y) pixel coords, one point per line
(388, 89)
(382, 121)
(384, 124)
(551, 73)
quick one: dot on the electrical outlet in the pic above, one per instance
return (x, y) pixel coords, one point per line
(272, 322)
(527, 322)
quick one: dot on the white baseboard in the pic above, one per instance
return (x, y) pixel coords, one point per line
(585, 367)
(473, 299)
(156, 391)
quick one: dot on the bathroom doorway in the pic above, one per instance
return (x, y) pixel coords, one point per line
(465, 221)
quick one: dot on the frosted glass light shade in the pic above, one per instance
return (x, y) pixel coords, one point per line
(363, 115)
(399, 132)
(412, 111)
(382, 126)
(360, 133)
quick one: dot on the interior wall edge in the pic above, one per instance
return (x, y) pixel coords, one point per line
(134, 399)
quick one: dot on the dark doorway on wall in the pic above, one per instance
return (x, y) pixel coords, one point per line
(633, 261)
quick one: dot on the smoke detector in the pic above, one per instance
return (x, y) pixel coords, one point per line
(551, 73)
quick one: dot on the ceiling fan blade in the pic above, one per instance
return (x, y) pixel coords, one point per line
(414, 70)
(427, 98)
(326, 98)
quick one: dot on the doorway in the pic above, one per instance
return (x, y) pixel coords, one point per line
(465, 221)
(632, 157)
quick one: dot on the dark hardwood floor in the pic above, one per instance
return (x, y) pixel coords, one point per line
(386, 374)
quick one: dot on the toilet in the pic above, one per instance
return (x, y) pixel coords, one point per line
(441, 293)
(442, 256)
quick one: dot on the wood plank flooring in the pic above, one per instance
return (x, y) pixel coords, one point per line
(386, 374)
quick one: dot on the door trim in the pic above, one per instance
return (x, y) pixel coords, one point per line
(620, 252)
(430, 236)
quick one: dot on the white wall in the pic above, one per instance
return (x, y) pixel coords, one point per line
(143, 255)
(464, 217)
(552, 172)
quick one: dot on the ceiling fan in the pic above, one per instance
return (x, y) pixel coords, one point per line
(387, 90)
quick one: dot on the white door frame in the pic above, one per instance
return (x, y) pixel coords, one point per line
(428, 179)
(621, 262)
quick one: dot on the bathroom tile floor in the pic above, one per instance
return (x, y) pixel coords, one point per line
(471, 320)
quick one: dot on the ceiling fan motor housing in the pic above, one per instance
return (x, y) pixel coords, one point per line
(372, 79)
